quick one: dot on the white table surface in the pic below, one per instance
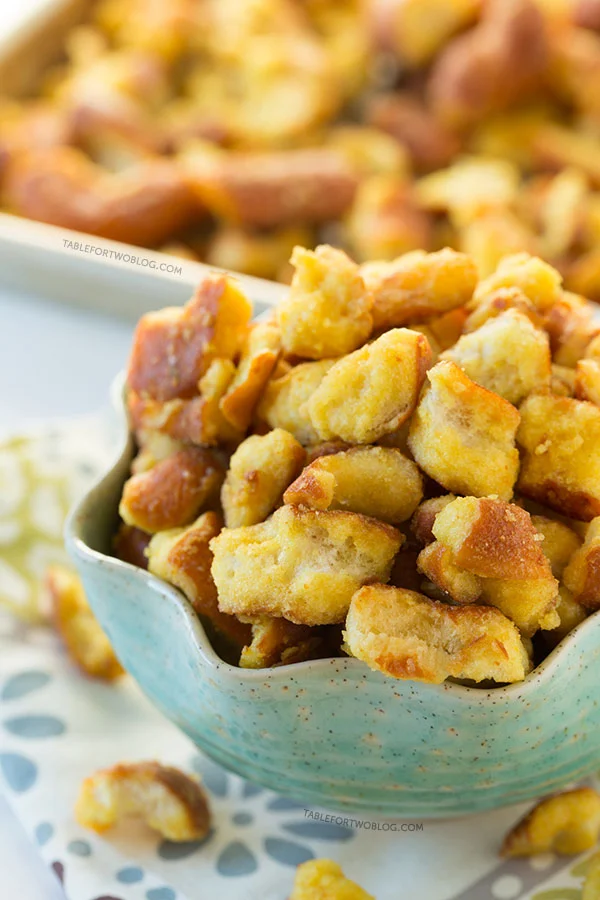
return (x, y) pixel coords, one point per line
(54, 361)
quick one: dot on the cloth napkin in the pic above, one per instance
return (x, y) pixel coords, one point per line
(56, 727)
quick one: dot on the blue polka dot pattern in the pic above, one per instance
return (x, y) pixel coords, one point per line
(282, 804)
(322, 831)
(164, 893)
(79, 848)
(286, 852)
(19, 771)
(130, 875)
(35, 727)
(251, 790)
(243, 818)
(235, 860)
(24, 683)
(172, 850)
(43, 833)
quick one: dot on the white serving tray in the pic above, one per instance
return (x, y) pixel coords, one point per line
(43, 259)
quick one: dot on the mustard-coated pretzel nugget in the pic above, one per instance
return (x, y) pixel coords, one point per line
(302, 564)
(259, 471)
(582, 575)
(437, 563)
(283, 402)
(82, 636)
(463, 435)
(196, 421)
(376, 481)
(567, 823)
(256, 365)
(492, 65)
(171, 802)
(422, 521)
(173, 348)
(173, 492)
(498, 542)
(182, 557)
(328, 310)
(560, 466)
(559, 544)
(587, 380)
(540, 283)
(371, 392)
(323, 879)
(275, 641)
(418, 285)
(507, 355)
(570, 614)
(406, 635)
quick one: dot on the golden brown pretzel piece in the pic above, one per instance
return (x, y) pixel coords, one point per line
(143, 205)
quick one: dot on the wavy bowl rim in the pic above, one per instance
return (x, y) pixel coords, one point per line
(210, 659)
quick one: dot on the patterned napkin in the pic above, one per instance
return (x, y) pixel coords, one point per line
(56, 727)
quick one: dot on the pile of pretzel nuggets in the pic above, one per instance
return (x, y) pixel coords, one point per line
(231, 130)
(401, 464)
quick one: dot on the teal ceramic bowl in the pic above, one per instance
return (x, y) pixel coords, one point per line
(332, 732)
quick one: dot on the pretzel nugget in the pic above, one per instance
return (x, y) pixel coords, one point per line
(171, 802)
(284, 399)
(173, 492)
(492, 65)
(436, 562)
(582, 575)
(256, 365)
(560, 467)
(272, 189)
(376, 481)
(497, 302)
(143, 205)
(418, 29)
(424, 517)
(372, 391)
(384, 220)
(323, 879)
(587, 380)
(173, 348)
(507, 355)
(279, 642)
(182, 557)
(418, 285)
(463, 435)
(328, 311)
(559, 544)
(498, 542)
(540, 283)
(195, 421)
(79, 631)
(406, 635)
(431, 145)
(130, 544)
(570, 614)
(568, 823)
(302, 564)
(259, 472)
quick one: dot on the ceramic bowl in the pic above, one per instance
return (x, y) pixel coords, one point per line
(331, 732)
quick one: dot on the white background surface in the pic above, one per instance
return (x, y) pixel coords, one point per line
(54, 361)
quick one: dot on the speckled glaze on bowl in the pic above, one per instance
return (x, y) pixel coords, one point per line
(332, 732)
